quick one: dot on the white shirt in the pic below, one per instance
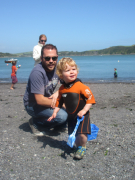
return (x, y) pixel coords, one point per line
(37, 53)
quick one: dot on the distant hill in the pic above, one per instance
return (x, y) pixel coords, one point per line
(25, 54)
(7, 55)
(108, 51)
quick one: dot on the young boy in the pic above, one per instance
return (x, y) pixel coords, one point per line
(115, 73)
(13, 75)
(78, 99)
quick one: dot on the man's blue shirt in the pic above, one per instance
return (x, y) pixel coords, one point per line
(40, 82)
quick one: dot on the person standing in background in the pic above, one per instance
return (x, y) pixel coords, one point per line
(13, 75)
(37, 48)
(115, 73)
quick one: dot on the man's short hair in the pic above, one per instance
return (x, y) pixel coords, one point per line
(48, 46)
(42, 35)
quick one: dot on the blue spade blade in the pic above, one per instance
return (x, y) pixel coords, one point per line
(71, 138)
(94, 132)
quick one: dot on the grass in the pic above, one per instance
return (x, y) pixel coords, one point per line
(115, 125)
(105, 153)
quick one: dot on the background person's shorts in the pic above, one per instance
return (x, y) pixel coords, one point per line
(14, 79)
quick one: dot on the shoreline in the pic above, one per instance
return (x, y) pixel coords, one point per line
(74, 55)
(5, 83)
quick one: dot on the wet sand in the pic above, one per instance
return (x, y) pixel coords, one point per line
(110, 156)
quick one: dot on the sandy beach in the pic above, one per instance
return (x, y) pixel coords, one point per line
(110, 156)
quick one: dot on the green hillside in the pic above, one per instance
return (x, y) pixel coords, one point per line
(25, 54)
(7, 55)
(108, 51)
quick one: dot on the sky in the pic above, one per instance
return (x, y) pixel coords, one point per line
(71, 25)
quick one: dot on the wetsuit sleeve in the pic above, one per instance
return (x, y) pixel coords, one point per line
(59, 101)
(85, 90)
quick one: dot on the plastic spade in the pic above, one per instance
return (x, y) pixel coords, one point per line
(94, 132)
(71, 138)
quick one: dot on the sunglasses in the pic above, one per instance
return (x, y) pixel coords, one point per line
(53, 58)
(43, 40)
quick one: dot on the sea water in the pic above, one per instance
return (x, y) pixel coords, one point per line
(93, 69)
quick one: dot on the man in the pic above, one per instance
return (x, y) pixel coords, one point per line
(37, 48)
(39, 98)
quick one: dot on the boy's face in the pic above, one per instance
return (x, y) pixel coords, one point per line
(69, 74)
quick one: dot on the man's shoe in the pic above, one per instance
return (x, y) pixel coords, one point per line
(34, 129)
(81, 151)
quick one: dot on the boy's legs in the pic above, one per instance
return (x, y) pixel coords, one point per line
(81, 137)
(81, 140)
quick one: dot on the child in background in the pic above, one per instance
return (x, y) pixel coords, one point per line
(77, 99)
(13, 74)
(115, 73)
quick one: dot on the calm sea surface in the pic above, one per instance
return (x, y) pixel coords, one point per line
(95, 69)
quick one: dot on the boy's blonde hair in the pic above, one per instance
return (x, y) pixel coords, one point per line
(61, 66)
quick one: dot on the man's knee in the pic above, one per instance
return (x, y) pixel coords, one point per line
(62, 114)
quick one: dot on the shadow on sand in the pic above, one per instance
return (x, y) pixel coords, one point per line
(49, 139)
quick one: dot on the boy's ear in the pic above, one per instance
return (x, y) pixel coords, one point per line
(61, 77)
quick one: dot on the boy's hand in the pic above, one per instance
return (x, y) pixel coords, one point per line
(84, 110)
(81, 113)
(52, 117)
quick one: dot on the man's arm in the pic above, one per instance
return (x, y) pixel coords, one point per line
(46, 101)
(43, 101)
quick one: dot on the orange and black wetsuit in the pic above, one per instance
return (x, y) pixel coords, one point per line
(75, 95)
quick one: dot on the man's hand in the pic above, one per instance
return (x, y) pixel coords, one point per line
(54, 99)
(43, 101)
